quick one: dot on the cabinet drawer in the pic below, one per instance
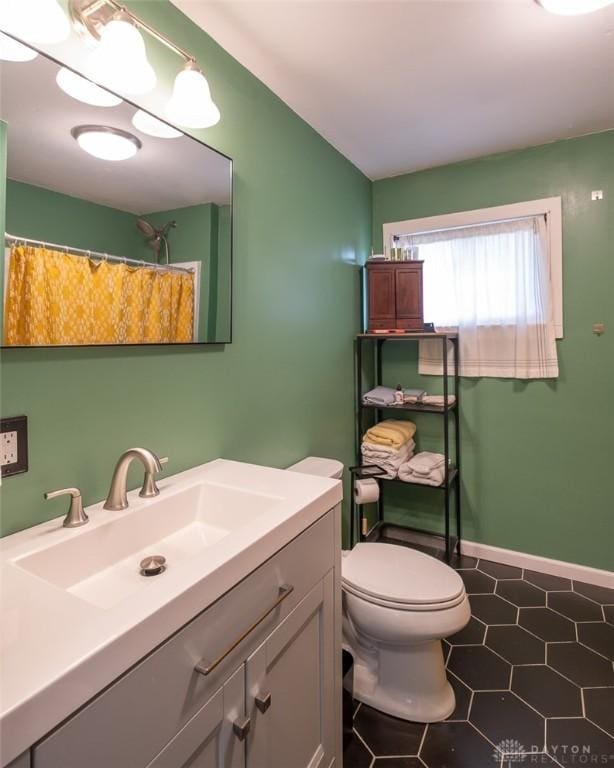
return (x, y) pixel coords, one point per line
(381, 325)
(130, 723)
(410, 323)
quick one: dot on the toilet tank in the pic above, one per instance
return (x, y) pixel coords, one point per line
(315, 465)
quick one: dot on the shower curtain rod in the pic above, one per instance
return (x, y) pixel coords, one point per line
(94, 254)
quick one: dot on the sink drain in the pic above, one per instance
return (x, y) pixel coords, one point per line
(153, 565)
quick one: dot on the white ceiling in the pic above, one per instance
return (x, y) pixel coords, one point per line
(164, 174)
(400, 85)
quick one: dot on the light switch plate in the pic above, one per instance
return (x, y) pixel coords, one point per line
(13, 445)
(597, 194)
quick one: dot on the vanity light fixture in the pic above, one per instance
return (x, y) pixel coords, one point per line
(573, 7)
(119, 53)
(191, 104)
(37, 21)
(120, 59)
(12, 50)
(82, 89)
(106, 143)
(150, 125)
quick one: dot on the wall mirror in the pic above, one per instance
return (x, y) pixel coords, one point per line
(118, 227)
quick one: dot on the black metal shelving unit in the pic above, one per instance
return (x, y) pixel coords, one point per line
(449, 413)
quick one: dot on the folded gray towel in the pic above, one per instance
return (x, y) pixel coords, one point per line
(379, 396)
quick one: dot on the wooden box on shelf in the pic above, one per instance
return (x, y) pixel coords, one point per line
(395, 295)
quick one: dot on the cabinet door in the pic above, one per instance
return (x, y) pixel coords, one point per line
(213, 737)
(290, 691)
(381, 294)
(408, 293)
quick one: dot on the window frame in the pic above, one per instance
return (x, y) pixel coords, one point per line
(550, 207)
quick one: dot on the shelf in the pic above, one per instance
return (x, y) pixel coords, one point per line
(417, 407)
(408, 335)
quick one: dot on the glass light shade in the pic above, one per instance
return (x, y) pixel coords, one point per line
(38, 21)
(120, 59)
(11, 50)
(106, 143)
(191, 104)
(574, 7)
(153, 127)
(84, 90)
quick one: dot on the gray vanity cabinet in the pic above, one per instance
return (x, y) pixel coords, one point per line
(253, 681)
(209, 739)
(290, 696)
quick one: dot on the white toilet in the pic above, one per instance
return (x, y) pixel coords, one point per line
(398, 604)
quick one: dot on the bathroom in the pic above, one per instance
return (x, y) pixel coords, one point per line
(331, 133)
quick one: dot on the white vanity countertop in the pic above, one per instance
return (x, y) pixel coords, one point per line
(58, 650)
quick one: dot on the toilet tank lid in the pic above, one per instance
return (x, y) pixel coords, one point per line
(401, 575)
(315, 465)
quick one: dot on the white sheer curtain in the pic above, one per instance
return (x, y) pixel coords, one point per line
(491, 283)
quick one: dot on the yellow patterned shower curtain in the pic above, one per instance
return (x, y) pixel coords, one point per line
(58, 298)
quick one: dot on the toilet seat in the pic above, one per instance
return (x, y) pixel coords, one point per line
(397, 577)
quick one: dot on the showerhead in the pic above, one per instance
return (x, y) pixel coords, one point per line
(155, 237)
(146, 228)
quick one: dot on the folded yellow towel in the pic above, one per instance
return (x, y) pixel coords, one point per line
(390, 432)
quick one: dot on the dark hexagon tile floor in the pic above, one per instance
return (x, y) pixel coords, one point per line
(532, 674)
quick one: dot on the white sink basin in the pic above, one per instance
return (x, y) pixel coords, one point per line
(102, 566)
(80, 589)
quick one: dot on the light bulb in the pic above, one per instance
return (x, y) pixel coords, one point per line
(84, 90)
(11, 50)
(120, 59)
(573, 7)
(37, 21)
(106, 143)
(153, 127)
(191, 104)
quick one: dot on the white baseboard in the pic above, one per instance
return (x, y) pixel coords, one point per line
(574, 571)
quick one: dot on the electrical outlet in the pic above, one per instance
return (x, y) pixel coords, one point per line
(13, 445)
(8, 448)
(597, 194)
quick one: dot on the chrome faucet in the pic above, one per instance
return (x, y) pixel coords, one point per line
(117, 498)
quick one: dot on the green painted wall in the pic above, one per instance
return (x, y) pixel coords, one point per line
(44, 214)
(282, 389)
(537, 456)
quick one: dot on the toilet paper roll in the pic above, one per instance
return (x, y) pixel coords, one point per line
(366, 491)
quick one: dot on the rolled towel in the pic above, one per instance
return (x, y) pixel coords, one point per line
(391, 432)
(436, 477)
(379, 396)
(425, 462)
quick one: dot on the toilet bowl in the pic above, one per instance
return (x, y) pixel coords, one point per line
(398, 604)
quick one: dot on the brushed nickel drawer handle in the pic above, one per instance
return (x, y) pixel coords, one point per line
(205, 667)
(241, 728)
(263, 702)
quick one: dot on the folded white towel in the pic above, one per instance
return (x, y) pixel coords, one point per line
(436, 477)
(372, 450)
(425, 462)
(437, 400)
(390, 462)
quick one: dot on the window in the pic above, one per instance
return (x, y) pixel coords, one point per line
(495, 276)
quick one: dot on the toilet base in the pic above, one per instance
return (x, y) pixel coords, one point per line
(408, 683)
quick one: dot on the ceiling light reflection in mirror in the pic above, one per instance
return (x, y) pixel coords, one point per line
(11, 50)
(150, 125)
(105, 142)
(84, 90)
